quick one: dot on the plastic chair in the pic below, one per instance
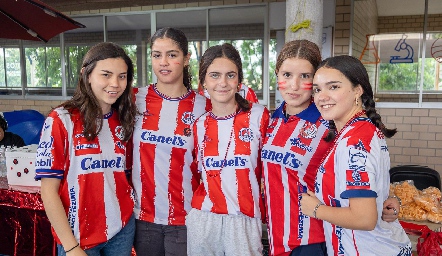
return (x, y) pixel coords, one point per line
(422, 176)
(26, 123)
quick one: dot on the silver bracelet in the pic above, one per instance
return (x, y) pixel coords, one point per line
(399, 200)
(316, 208)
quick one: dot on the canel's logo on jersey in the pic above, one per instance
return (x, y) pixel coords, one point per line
(44, 153)
(119, 132)
(308, 131)
(149, 136)
(90, 163)
(188, 118)
(246, 134)
(287, 158)
(237, 161)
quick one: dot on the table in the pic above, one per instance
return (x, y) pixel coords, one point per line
(414, 238)
(25, 228)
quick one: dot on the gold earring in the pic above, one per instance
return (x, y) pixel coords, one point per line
(357, 101)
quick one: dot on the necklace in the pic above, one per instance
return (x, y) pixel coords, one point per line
(214, 174)
(334, 143)
(167, 97)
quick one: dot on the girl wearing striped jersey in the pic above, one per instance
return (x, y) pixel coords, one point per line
(293, 148)
(84, 151)
(163, 176)
(226, 208)
(291, 153)
(353, 178)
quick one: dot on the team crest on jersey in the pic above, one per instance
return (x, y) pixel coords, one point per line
(246, 134)
(356, 174)
(309, 130)
(188, 118)
(119, 132)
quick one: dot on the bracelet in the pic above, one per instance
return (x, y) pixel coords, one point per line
(316, 208)
(400, 202)
(72, 248)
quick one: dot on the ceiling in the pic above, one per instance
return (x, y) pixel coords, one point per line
(385, 7)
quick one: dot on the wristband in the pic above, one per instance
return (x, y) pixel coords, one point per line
(73, 248)
(316, 208)
(399, 200)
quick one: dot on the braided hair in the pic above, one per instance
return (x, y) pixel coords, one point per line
(301, 49)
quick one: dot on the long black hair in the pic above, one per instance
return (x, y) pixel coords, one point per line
(180, 39)
(356, 73)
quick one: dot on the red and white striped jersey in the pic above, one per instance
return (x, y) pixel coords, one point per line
(228, 157)
(245, 91)
(94, 189)
(358, 166)
(163, 178)
(292, 151)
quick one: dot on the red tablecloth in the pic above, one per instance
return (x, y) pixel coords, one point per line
(24, 227)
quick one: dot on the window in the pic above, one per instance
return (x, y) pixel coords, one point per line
(52, 69)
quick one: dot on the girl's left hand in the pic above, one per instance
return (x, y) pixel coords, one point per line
(308, 203)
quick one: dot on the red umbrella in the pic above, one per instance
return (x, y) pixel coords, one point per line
(32, 20)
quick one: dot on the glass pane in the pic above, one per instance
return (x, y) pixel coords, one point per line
(197, 49)
(13, 70)
(132, 32)
(77, 43)
(389, 41)
(10, 71)
(246, 33)
(193, 24)
(2, 68)
(43, 70)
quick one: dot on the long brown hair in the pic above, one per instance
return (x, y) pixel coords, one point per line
(229, 52)
(85, 101)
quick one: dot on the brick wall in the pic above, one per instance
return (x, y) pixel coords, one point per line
(42, 106)
(419, 136)
(409, 23)
(342, 27)
(365, 20)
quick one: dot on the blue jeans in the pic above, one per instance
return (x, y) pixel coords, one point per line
(119, 245)
(310, 249)
(158, 240)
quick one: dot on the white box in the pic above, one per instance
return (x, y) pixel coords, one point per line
(20, 163)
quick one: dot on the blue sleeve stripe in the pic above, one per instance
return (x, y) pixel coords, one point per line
(47, 173)
(358, 193)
